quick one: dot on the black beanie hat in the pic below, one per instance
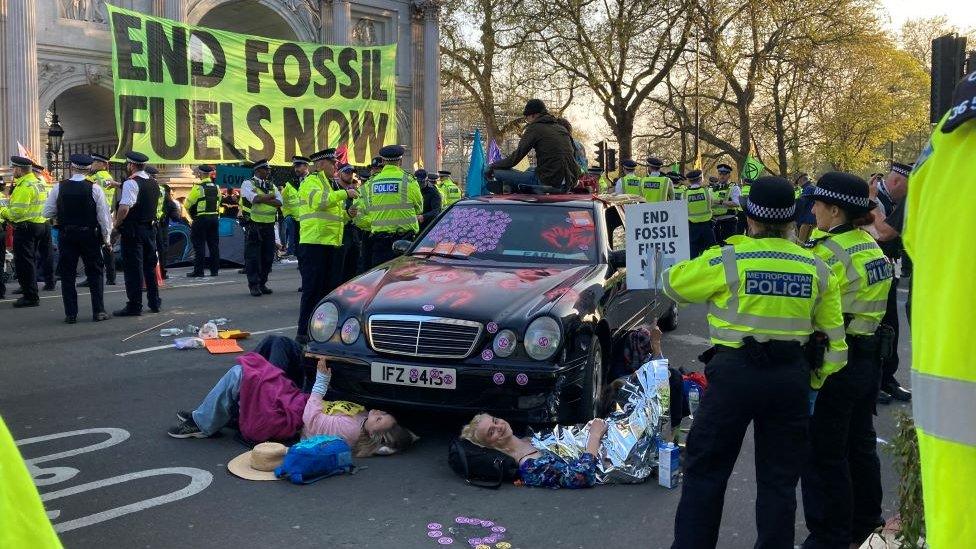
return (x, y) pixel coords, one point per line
(771, 200)
(846, 190)
(534, 106)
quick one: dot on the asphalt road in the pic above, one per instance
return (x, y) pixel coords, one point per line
(140, 488)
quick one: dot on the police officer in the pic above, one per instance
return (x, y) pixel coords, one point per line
(353, 233)
(765, 296)
(291, 203)
(700, 233)
(101, 176)
(262, 200)
(160, 227)
(805, 220)
(629, 182)
(323, 220)
(740, 195)
(202, 204)
(134, 222)
(375, 166)
(25, 211)
(842, 483)
(656, 187)
(677, 188)
(432, 200)
(84, 228)
(45, 246)
(171, 214)
(392, 203)
(450, 192)
(723, 208)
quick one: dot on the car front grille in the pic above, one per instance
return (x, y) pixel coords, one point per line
(423, 336)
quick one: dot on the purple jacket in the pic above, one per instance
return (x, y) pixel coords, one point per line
(271, 405)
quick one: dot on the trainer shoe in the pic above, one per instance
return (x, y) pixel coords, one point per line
(98, 317)
(186, 429)
(183, 415)
(255, 291)
(265, 290)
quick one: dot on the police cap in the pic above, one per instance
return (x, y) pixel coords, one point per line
(37, 167)
(376, 162)
(694, 175)
(99, 157)
(629, 164)
(152, 170)
(771, 200)
(392, 152)
(80, 161)
(594, 170)
(846, 190)
(420, 174)
(654, 162)
(444, 173)
(260, 165)
(348, 168)
(902, 169)
(724, 168)
(325, 154)
(431, 177)
(136, 157)
(205, 168)
(297, 160)
(712, 179)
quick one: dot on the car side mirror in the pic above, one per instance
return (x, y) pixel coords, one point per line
(618, 259)
(400, 247)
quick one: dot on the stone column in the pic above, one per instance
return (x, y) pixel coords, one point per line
(341, 16)
(325, 21)
(23, 93)
(431, 82)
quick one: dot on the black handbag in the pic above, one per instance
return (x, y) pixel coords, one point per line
(479, 466)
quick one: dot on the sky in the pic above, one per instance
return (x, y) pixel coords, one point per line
(960, 12)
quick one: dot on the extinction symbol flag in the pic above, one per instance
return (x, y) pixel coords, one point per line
(753, 168)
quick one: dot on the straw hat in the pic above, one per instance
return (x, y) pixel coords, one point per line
(259, 463)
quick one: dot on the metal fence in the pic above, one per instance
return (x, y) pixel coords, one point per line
(60, 165)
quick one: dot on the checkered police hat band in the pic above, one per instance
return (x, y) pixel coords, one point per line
(764, 212)
(859, 201)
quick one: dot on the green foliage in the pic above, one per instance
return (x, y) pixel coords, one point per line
(911, 509)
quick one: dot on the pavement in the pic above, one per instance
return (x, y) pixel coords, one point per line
(92, 411)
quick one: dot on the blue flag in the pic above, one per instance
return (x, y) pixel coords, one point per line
(494, 153)
(474, 183)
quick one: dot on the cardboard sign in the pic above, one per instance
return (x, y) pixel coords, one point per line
(657, 238)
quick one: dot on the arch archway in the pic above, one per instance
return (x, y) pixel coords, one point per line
(87, 114)
(265, 18)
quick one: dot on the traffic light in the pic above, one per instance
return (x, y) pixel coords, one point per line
(611, 160)
(948, 63)
(601, 153)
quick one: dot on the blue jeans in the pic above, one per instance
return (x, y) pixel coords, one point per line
(220, 404)
(291, 235)
(516, 177)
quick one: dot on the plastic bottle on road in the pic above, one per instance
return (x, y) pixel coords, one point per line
(191, 329)
(188, 343)
(208, 331)
(694, 397)
(166, 332)
(219, 321)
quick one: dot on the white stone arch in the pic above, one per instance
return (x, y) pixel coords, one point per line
(64, 79)
(300, 15)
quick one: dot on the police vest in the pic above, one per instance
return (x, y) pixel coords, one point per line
(679, 191)
(631, 185)
(290, 201)
(766, 288)
(323, 214)
(699, 204)
(655, 188)
(76, 206)
(450, 193)
(102, 177)
(26, 202)
(720, 194)
(864, 275)
(604, 183)
(147, 201)
(204, 198)
(262, 212)
(389, 204)
(744, 194)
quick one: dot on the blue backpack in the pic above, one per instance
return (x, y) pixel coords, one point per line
(316, 458)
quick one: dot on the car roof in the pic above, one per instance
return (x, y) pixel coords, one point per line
(572, 200)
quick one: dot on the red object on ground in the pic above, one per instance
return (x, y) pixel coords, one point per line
(698, 378)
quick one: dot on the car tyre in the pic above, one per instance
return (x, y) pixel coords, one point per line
(591, 401)
(669, 322)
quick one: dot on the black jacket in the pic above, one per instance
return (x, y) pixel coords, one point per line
(432, 204)
(555, 155)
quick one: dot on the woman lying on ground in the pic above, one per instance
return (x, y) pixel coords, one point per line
(537, 467)
(269, 406)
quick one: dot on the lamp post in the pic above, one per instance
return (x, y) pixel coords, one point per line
(55, 135)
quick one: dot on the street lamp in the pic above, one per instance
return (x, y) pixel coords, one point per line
(55, 135)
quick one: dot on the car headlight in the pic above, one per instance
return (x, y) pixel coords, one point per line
(504, 343)
(350, 331)
(542, 338)
(324, 321)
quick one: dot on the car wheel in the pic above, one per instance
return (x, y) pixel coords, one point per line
(592, 399)
(669, 321)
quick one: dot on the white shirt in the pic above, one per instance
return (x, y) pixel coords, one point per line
(735, 193)
(248, 193)
(101, 206)
(130, 190)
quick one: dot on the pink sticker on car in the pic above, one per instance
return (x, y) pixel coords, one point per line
(498, 378)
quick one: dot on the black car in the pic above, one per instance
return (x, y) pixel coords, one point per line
(513, 305)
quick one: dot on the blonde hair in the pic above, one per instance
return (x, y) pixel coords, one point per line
(469, 432)
(391, 441)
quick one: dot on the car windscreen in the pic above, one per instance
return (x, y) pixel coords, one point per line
(521, 233)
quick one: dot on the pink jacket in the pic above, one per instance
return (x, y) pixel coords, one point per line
(317, 423)
(270, 404)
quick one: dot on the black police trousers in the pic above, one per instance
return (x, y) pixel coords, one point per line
(890, 366)
(86, 244)
(3, 259)
(108, 260)
(259, 252)
(45, 256)
(724, 228)
(139, 261)
(26, 239)
(351, 253)
(205, 236)
(842, 480)
(381, 247)
(701, 237)
(321, 269)
(771, 394)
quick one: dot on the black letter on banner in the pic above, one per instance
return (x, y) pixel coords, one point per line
(253, 67)
(128, 104)
(351, 90)
(366, 77)
(160, 51)
(157, 128)
(231, 152)
(254, 118)
(281, 55)
(327, 90)
(329, 117)
(202, 130)
(127, 47)
(365, 136)
(201, 79)
(297, 131)
(378, 93)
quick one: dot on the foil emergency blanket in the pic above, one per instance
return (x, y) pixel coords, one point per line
(628, 451)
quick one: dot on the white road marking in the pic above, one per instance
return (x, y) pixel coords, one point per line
(53, 475)
(170, 346)
(122, 291)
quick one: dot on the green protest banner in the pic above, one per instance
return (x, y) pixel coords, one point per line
(187, 95)
(753, 168)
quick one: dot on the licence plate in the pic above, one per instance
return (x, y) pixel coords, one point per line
(414, 376)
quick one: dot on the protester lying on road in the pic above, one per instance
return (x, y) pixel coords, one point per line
(538, 467)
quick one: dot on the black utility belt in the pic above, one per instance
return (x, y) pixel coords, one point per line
(395, 236)
(784, 345)
(26, 225)
(261, 223)
(77, 228)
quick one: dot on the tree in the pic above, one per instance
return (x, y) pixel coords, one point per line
(621, 50)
